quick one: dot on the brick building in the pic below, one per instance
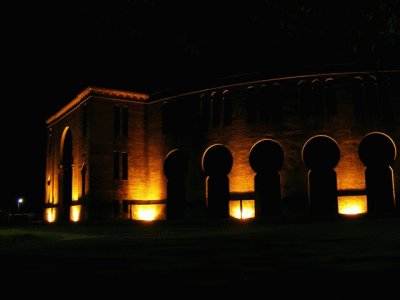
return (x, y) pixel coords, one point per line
(106, 149)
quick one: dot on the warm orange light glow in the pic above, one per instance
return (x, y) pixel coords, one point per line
(147, 193)
(241, 177)
(352, 205)
(241, 183)
(147, 212)
(75, 192)
(75, 213)
(149, 190)
(50, 214)
(350, 170)
(350, 176)
(243, 210)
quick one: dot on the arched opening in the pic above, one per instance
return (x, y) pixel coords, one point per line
(304, 94)
(321, 154)
(317, 98)
(371, 93)
(83, 180)
(358, 96)
(216, 163)
(216, 108)
(175, 168)
(65, 194)
(227, 105)
(330, 96)
(205, 110)
(251, 105)
(266, 159)
(377, 151)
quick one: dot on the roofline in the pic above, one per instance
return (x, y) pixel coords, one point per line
(272, 79)
(145, 98)
(97, 91)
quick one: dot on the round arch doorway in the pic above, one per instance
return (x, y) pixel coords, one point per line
(65, 194)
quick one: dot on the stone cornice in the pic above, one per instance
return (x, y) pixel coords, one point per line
(97, 91)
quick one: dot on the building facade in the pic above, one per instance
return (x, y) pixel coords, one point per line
(107, 149)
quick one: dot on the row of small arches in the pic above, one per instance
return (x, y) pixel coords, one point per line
(320, 154)
(263, 103)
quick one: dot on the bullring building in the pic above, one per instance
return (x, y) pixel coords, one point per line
(320, 143)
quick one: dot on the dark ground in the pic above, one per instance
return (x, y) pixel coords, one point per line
(341, 258)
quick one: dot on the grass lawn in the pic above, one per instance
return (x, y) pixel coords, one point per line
(344, 257)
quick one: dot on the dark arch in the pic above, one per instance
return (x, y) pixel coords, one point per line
(217, 160)
(264, 105)
(377, 152)
(217, 163)
(371, 89)
(175, 168)
(330, 96)
(317, 98)
(358, 96)
(266, 159)
(83, 180)
(205, 110)
(251, 105)
(266, 154)
(227, 105)
(304, 93)
(385, 96)
(276, 102)
(216, 108)
(321, 154)
(65, 186)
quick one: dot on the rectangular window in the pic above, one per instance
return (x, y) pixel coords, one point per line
(124, 165)
(125, 116)
(117, 120)
(116, 165)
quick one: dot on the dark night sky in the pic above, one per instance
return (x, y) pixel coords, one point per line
(53, 50)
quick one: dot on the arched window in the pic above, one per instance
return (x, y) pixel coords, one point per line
(317, 98)
(83, 180)
(227, 103)
(385, 96)
(304, 92)
(251, 105)
(276, 102)
(264, 103)
(66, 174)
(371, 88)
(205, 110)
(358, 96)
(216, 109)
(330, 96)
